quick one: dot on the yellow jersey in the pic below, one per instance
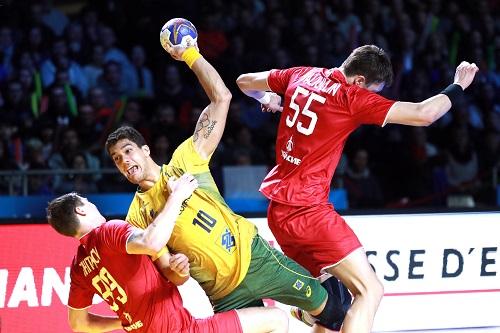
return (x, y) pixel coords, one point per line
(215, 239)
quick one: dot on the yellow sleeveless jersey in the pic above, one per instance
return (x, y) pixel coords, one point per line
(215, 239)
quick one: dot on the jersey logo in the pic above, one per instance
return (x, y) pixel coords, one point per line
(298, 284)
(308, 291)
(286, 154)
(143, 207)
(152, 213)
(289, 144)
(227, 241)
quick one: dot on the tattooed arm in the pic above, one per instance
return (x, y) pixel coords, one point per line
(210, 125)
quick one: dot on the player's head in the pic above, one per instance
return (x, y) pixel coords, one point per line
(71, 215)
(128, 150)
(369, 67)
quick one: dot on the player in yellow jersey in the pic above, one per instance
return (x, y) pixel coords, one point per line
(235, 267)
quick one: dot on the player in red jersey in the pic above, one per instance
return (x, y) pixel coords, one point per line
(109, 263)
(321, 108)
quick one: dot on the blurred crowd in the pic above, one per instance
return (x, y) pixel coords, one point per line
(72, 71)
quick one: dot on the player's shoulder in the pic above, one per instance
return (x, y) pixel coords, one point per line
(115, 223)
(134, 208)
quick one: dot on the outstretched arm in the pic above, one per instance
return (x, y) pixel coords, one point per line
(255, 85)
(210, 125)
(82, 320)
(430, 110)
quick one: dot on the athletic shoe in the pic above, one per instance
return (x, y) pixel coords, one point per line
(301, 315)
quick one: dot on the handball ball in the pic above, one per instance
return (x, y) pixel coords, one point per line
(178, 31)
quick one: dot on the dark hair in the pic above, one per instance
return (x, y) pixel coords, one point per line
(61, 214)
(125, 132)
(370, 61)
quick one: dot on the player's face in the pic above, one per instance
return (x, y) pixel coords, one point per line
(130, 160)
(92, 211)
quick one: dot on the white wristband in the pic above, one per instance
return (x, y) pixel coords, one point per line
(265, 99)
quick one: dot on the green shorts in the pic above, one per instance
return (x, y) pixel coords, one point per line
(273, 275)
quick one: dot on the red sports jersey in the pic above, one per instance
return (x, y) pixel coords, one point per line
(143, 299)
(320, 110)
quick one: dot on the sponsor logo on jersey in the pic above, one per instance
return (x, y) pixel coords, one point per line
(308, 291)
(289, 144)
(227, 241)
(286, 154)
(298, 285)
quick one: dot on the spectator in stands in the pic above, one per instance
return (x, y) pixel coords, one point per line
(423, 155)
(77, 49)
(38, 37)
(83, 183)
(107, 39)
(113, 83)
(43, 12)
(165, 121)
(462, 166)
(132, 116)
(162, 148)
(93, 69)
(60, 61)
(35, 160)
(174, 91)
(87, 126)
(7, 49)
(7, 163)
(362, 186)
(16, 108)
(142, 74)
(63, 159)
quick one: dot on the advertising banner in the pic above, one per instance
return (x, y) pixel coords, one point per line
(438, 270)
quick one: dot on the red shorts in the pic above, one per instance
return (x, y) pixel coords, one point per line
(218, 323)
(316, 237)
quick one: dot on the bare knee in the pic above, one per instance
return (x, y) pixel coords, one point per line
(277, 320)
(263, 320)
(370, 288)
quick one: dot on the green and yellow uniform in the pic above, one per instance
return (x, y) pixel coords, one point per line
(222, 246)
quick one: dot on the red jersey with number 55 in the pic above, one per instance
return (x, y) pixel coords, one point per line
(320, 110)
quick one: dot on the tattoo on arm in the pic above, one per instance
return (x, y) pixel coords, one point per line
(204, 122)
(134, 236)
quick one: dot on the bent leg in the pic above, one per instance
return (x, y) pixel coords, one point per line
(263, 320)
(358, 276)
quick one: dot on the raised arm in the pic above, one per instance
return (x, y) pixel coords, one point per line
(431, 109)
(255, 85)
(210, 125)
(81, 320)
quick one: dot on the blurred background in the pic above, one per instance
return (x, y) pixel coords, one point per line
(73, 71)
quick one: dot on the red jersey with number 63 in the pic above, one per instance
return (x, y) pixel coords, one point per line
(143, 299)
(320, 110)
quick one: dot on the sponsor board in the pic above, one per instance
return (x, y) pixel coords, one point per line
(438, 270)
